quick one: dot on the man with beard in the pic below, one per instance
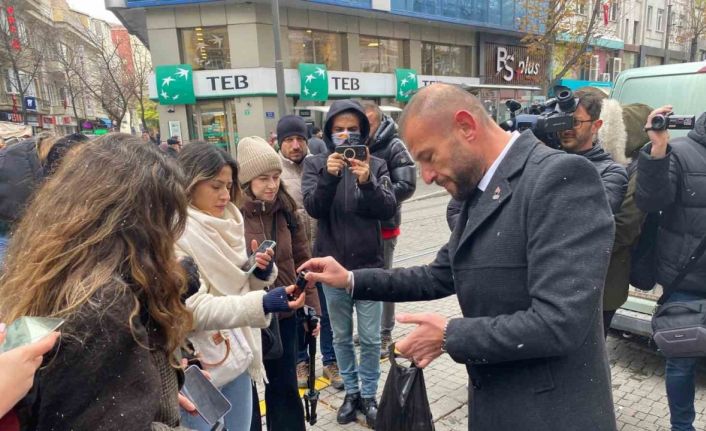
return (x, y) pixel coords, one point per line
(582, 140)
(527, 260)
(291, 136)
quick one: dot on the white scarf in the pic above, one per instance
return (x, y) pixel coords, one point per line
(218, 247)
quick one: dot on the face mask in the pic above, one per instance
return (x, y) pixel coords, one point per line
(353, 138)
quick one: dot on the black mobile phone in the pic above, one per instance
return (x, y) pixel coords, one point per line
(300, 283)
(210, 403)
(358, 152)
(250, 264)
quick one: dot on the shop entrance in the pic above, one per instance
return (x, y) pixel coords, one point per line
(214, 122)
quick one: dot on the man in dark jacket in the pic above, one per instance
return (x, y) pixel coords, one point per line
(316, 144)
(350, 198)
(670, 179)
(385, 143)
(527, 261)
(581, 140)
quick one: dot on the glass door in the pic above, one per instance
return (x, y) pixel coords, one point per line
(214, 122)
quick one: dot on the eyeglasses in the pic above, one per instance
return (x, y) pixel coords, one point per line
(578, 123)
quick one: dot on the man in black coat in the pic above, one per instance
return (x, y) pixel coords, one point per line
(349, 198)
(385, 143)
(670, 179)
(527, 260)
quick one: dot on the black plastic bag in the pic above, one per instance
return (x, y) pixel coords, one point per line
(404, 405)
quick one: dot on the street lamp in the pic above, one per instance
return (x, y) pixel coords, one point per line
(279, 67)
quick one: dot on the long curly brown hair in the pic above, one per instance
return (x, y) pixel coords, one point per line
(109, 217)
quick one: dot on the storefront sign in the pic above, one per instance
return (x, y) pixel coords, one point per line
(175, 129)
(406, 84)
(33, 120)
(512, 64)
(10, 116)
(262, 82)
(270, 115)
(313, 82)
(175, 84)
(31, 103)
(47, 121)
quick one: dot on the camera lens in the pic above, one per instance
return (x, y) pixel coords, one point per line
(659, 122)
(349, 153)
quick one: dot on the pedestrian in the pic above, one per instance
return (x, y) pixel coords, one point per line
(271, 213)
(386, 144)
(623, 129)
(173, 146)
(231, 305)
(109, 270)
(527, 267)
(291, 134)
(582, 140)
(669, 180)
(316, 142)
(66, 145)
(349, 198)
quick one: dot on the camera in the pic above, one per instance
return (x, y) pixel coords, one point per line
(546, 120)
(353, 151)
(674, 122)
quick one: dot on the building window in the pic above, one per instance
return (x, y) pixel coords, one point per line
(660, 19)
(319, 47)
(614, 10)
(12, 87)
(205, 48)
(649, 17)
(581, 7)
(380, 55)
(445, 60)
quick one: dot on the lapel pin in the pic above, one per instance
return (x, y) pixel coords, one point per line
(496, 195)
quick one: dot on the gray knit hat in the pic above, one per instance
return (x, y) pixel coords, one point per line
(256, 157)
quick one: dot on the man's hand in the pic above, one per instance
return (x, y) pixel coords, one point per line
(262, 260)
(423, 344)
(335, 164)
(361, 170)
(326, 270)
(659, 138)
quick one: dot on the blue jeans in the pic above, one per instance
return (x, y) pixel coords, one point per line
(340, 307)
(239, 393)
(679, 378)
(328, 356)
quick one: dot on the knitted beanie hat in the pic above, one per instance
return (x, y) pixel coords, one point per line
(256, 157)
(291, 125)
(635, 116)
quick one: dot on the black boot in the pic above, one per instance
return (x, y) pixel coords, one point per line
(351, 404)
(370, 410)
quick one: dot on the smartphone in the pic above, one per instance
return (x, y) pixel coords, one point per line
(27, 330)
(210, 403)
(353, 151)
(250, 265)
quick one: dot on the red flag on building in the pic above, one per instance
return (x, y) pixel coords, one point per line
(606, 12)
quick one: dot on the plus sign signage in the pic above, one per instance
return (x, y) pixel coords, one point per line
(512, 64)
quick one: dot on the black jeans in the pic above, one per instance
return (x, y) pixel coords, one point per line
(285, 411)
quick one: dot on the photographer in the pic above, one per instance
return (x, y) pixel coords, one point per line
(582, 140)
(670, 179)
(350, 197)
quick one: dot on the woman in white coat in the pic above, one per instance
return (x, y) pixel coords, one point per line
(231, 304)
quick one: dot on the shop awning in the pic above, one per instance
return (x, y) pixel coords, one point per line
(107, 122)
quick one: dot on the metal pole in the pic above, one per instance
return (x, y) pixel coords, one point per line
(279, 67)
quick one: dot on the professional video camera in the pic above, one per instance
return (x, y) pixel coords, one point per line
(546, 120)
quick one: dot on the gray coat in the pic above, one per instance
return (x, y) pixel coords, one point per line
(527, 264)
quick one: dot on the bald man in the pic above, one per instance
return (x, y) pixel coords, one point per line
(522, 260)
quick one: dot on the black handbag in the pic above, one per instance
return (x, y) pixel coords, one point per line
(679, 328)
(271, 339)
(404, 405)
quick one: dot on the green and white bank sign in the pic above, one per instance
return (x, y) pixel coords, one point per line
(175, 84)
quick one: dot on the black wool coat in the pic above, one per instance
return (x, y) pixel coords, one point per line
(527, 263)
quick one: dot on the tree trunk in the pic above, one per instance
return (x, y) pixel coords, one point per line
(694, 49)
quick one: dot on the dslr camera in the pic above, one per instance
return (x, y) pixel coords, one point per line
(673, 122)
(546, 120)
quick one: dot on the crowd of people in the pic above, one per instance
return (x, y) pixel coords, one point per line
(144, 251)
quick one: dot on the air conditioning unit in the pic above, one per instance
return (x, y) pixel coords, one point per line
(605, 77)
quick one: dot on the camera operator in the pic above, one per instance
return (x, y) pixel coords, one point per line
(582, 140)
(670, 179)
(350, 196)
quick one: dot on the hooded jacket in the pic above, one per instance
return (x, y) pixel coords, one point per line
(676, 186)
(387, 145)
(20, 173)
(613, 175)
(348, 213)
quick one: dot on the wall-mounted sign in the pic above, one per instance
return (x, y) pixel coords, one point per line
(406, 84)
(175, 84)
(313, 82)
(270, 115)
(175, 129)
(31, 103)
(512, 64)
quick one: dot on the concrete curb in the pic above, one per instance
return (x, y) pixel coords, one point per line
(427, 196)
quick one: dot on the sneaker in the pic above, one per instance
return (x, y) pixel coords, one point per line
(385, 341)
(369, 407)
(303, 374)
(333, 375)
